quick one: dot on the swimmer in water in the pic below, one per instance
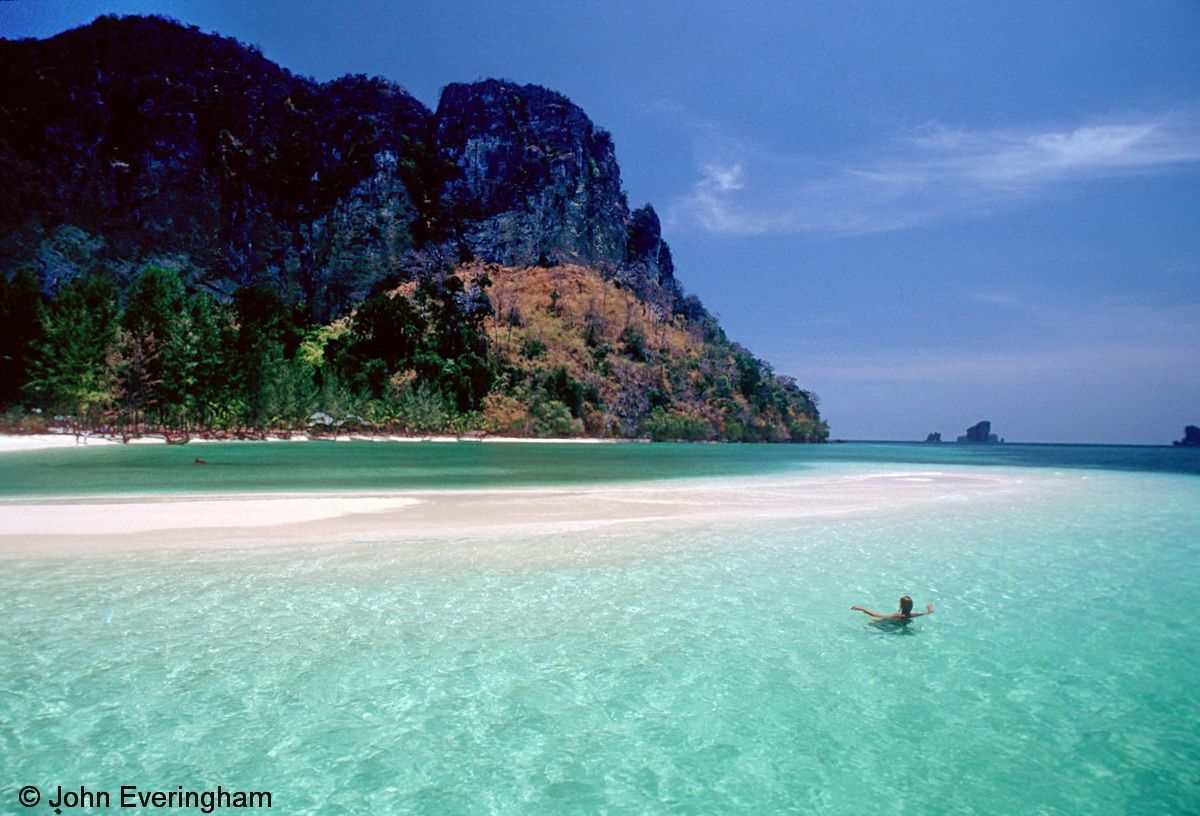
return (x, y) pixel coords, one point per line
(905, 612)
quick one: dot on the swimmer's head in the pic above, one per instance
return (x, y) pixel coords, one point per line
(905, 605)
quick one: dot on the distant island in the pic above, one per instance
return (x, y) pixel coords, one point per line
(195, 240)
(1191, 438)
(980, 434)
(934, 437)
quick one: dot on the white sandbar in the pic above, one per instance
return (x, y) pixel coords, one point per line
(53, 526)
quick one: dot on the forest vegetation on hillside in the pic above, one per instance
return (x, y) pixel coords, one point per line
(516, 351)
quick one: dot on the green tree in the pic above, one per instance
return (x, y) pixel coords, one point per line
(260, 330)
(419, 409)
(20, 303)
(155, 303)
(134, 367)
(156, 320)
(456, 352)
(561, 386)
(291, 393)
(663, 425)
(553, 418)
(334, 397)
(201, 359)
(70, 366)
(386, 334)
(633, 344)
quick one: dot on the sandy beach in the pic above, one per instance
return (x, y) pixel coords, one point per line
(12, 443)
(56, 526)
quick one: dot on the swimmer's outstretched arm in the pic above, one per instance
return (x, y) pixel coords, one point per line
(868, 611)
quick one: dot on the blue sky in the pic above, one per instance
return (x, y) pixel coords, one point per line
(928, 213)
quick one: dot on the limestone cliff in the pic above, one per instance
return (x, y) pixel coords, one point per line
(137, 143)
(137, 140)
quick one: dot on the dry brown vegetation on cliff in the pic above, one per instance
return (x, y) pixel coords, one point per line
(623, 368)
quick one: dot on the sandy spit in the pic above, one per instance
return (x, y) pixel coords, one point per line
(50, 527)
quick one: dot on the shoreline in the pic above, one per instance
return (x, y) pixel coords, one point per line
(15, 443)
(500, 521)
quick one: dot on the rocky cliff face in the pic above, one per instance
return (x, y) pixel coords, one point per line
(537, 181)
(136, 140)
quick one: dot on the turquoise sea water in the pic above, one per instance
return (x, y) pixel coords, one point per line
(710, 671)
(350, 466)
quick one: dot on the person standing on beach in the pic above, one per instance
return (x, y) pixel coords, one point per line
(906, 604)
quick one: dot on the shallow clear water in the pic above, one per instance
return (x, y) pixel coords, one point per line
(349, 466)
(719, 671)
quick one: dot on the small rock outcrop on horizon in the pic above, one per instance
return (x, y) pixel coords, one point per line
(934, 436)
(354, 235)
(1191, 438)
(980, 434)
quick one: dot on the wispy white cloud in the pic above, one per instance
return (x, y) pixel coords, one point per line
(724, 179)
(1002, 158)
(714, 206)
(928, 174)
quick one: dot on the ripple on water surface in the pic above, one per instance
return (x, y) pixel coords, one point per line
(717, 671)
